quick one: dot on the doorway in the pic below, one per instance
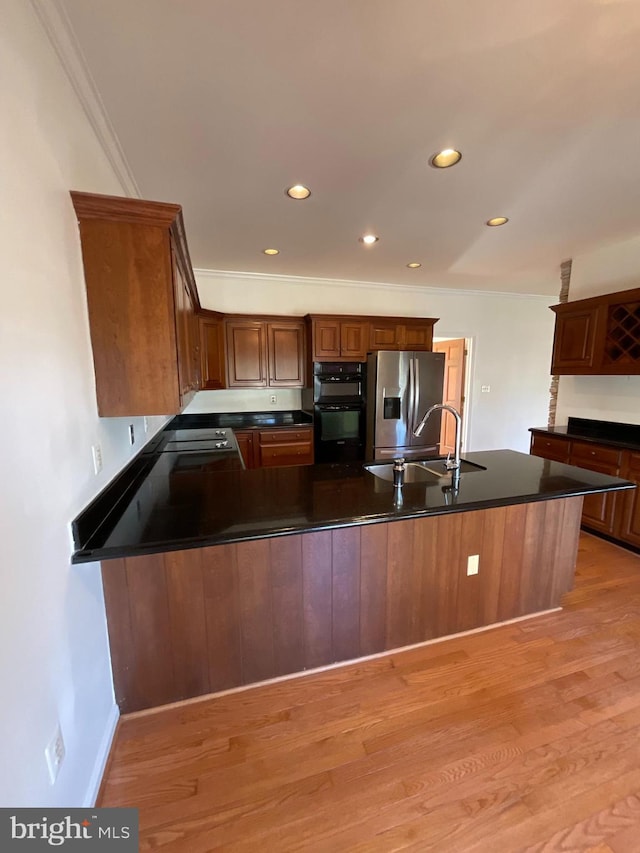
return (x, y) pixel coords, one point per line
(456, 351)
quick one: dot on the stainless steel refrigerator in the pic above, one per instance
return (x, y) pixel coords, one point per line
(401, 386)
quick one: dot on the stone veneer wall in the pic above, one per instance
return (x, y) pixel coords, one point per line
(565, 278)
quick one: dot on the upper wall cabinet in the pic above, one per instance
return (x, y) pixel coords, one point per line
(265, 352)
(598, 336)
(338, 338)
(400, 333)
(142, 303)
(212, 350)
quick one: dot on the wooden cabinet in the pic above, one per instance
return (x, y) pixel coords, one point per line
(212, 350)
(187, 332)
(628, 515)
(550, 447)
(276, 446)
(246, 353)
(246, 446)
(398, 333)
(598, 511)
(263, 353)
(142, 300)
(611, 512)
(599, 336)
(335, 338)
(285, 446)
(286, 353)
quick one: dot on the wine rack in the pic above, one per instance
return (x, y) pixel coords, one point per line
(622, 341)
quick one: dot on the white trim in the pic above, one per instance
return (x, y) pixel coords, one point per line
(55, 21)
(102, 756)
(308, 281)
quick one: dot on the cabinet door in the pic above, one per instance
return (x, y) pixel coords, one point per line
(574, 343)
(385, 335)
(245, 439)
(326, 339)
(354, 340)
(550, 447)
(212, 353)
(598, 511)
(246, 354)
(286, 354)
(418, 336)
(184, 333)
(628, 515)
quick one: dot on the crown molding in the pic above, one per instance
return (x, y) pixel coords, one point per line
(308, 281)
(56, 23)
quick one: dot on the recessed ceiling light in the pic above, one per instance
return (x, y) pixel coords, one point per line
(369, 239)
(497, 220)
(414, 265)
(446, 158)
(298, 191)
(271, 251)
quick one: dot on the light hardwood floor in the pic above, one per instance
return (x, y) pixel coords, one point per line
(524, 737)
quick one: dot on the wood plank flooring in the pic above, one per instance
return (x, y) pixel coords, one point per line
(524, 737)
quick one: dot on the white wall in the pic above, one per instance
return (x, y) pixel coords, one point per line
(511, 337)
(610, 398)
(54, 657)
(245, 400)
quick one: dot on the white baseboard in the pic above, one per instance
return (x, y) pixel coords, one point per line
(101, 759)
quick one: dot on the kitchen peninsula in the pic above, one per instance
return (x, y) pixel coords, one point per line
(216, 577)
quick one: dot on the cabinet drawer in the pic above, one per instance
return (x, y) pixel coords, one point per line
(286, 454)
(583, 451)
(550, 447)
(278, 436)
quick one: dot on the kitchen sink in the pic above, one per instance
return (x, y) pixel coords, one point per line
(421, 471)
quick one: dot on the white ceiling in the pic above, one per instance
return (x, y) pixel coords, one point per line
(219, 105)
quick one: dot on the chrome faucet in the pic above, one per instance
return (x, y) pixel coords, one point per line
(450, 464)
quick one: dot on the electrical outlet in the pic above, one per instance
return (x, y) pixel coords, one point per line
(472, 564)
(132, 435)
(145, 423)
(485, 389)
(274, 398)
(54, 754)
(96, 451)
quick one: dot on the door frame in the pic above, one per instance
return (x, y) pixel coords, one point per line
(466, 391)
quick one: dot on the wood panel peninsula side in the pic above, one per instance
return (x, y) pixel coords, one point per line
(218, 578)
(187, 623)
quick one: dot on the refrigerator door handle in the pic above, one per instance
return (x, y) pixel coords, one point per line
(416, 396)
(412, 394)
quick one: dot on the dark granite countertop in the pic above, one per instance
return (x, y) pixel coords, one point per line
(176, 501)
(626, 436)
(242, 420)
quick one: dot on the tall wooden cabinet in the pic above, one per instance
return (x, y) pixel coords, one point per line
(142, 303)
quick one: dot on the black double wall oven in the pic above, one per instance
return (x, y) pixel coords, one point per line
(339, 411)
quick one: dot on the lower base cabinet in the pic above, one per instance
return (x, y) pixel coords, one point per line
(246, 446)
(628, 518)
(285, 447)
(266, 448)
(616, 514)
